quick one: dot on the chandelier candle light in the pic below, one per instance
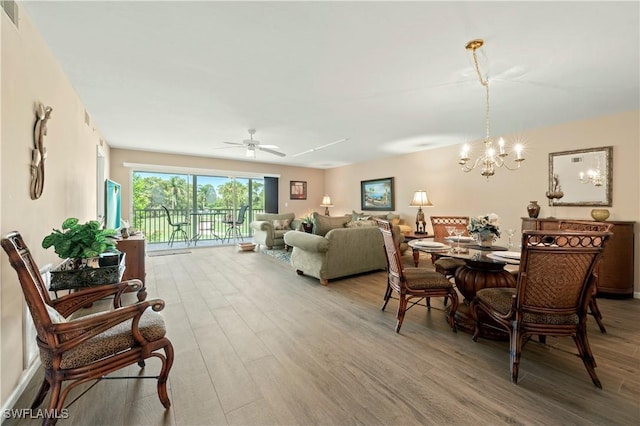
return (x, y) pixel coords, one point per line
(420, 199)
(491, 159)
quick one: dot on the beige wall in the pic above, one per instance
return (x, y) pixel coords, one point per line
(507, 193)
(314, 177)
(30, 74)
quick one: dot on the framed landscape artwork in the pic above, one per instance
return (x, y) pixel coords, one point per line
(297, 190)
(377, 194)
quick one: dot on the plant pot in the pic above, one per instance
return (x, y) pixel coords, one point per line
(487, 242)
(64, 277)
(307, 227)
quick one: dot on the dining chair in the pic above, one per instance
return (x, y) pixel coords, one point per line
(411, 282)
(233, 225)
(447, 265)
(89, 347)
(552, 294)
(178, 228)
(576, 225)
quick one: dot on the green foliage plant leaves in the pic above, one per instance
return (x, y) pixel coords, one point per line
(80, 241)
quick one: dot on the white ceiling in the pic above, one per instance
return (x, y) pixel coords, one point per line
(393, 77)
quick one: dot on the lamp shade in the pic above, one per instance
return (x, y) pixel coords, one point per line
(420, 199)
(326, 201)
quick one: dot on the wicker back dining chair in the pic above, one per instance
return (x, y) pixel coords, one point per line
(88, 348)
(552, 294)
(447, 265)
(576, 225)
(412, 283)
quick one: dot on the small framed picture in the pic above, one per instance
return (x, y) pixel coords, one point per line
(297, 190)
(377, 194)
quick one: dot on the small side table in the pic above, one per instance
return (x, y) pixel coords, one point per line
(414, 236)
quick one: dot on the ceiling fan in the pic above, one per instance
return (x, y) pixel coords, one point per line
(252, 144)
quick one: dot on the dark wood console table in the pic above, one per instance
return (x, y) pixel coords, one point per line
(616, 270)
(135, 250)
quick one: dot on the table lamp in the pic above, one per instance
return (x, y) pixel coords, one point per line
(326, 203)
(419, 200)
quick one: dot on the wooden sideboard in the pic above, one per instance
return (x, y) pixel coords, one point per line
(616, 270)
(134, 247)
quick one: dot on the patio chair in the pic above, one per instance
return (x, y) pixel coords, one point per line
(233, 226)
(178, 228)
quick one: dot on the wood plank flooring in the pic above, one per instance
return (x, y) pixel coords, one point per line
(256, 344)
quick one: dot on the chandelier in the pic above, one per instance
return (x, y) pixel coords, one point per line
(493, 157)
(592, 176)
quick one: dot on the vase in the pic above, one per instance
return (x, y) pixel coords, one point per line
(600, 215)
(533, 209)
(486, 241)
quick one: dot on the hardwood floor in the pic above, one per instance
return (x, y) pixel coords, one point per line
(256, 344)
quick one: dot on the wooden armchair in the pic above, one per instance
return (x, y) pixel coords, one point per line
(412, 283)
(574, 225)
(552, 293)
(90, 347)
(447, 265)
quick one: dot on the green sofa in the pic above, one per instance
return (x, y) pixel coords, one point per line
(337, 251)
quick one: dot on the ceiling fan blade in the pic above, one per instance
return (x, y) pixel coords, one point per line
(228, 147)
(320, 147)
(268, 146)
(270, 151)
(234, 143)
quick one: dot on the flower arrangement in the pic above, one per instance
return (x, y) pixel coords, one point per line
(485, 227)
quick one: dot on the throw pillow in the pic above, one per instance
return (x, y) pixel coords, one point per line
(356, 216)
(281, 224)
(361, 223)
(54, 315)
(393, 218)
(323, 224)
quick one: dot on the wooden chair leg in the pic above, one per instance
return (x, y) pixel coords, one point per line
(44, 388)
(452, 310)
(595, 311)
(515, 342)
(587, 357)
(387, 296)
(402, 307)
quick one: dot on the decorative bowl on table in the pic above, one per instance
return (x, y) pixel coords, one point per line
(246, 246)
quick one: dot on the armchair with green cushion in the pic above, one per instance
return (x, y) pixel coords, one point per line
(269, 228)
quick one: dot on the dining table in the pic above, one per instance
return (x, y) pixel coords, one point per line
(484, 267)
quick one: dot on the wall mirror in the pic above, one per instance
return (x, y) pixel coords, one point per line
(584, 176)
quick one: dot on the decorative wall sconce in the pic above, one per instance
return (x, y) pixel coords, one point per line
(326, 203)
(420, 199)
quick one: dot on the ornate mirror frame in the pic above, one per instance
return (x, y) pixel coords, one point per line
(565, 169)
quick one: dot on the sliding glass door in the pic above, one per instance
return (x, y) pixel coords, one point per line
(213, 205)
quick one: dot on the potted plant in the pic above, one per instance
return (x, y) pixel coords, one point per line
(307, 223)
(83, 246)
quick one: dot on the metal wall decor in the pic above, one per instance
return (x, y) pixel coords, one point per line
(39, 151)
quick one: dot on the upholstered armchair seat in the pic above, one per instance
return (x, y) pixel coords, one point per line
(109, 342)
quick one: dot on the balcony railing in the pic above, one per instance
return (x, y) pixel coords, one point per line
(204, 225)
